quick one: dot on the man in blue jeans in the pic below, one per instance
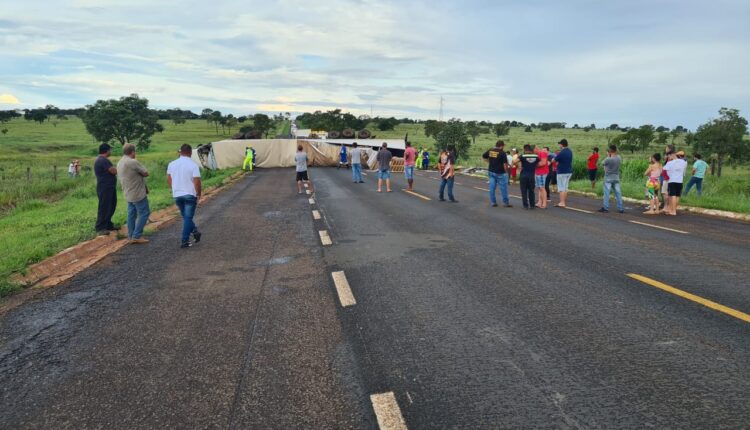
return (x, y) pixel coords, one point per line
(699, 172)
(498, 169)
(184, 178)
(612, 179)
(356, 154)
(132, 176)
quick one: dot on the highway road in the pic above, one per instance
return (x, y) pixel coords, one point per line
(349, 308)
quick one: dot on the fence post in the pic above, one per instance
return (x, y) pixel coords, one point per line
(54, 173)
(28, 174)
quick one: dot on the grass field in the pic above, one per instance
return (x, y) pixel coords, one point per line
(730, 192)
(41, 217)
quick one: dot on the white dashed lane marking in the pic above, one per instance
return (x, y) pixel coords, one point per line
(387, 411)
(325, 239)
(316, 214)
(312, 201)
(346, 297)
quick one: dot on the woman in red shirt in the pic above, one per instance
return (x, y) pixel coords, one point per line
(593, 159)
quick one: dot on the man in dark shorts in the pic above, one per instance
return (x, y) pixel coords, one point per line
(106, 190)
(675, 169)
(592, 165)
(384, 168)
(300, 159)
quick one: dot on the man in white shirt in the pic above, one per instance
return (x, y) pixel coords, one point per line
(675, 169)
(184, 178)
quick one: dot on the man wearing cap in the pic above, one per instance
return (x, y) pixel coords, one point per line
(497, 171)
(184, 178)
(106, 190)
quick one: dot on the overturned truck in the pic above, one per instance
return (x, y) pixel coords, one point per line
(271, 153)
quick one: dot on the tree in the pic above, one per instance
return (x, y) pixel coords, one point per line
(262, 124)
(545, 127)
(125, 120)
(216, 117)
(575, 126)
(662, 138)
(7, 115)
(473, 130)
(613, 127)
(527, 129)
(502, 129)
(592, 126)
(231, 121)
(644, 135)
(662, 129)
(242, 119)
(51, 110)
(385, 124)
(4, 131)
(454, 133)
(207, 115)
(432, 128)
(36, 115)
(724, 137)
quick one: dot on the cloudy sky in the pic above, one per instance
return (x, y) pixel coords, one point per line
(579, 61)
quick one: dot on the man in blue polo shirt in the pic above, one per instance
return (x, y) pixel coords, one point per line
(564, 161)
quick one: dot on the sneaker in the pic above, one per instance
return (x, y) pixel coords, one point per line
(441, 199)
(113, 228)
(602, 210)
(197, 235)
(508, 205)
(454, 201)
(102, 233)
(622, 211)
(186, 244)
(494, 205)
(361, 182)
(139, 241)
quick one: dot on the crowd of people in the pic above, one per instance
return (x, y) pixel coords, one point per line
(539, 172)
(183, 178)
(535, 169)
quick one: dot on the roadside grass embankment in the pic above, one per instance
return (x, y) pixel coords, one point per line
(43, 216)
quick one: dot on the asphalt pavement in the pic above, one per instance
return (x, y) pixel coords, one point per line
(440, 315)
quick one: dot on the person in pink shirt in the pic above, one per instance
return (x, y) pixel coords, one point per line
(540, 177)
(410, 160)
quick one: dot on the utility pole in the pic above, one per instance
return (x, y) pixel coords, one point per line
(440, 118)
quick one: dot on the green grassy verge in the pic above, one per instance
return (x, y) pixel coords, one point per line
(42, 217)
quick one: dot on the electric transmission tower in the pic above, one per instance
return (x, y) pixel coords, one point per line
(440, 117)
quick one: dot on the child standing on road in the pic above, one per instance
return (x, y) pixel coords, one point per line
(652, 184)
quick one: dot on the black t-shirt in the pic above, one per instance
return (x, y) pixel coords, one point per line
(104, 179)
(497, 160)
(528, 164)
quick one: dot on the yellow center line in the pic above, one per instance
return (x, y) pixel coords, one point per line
(417, 195)
(659, 227)
(692, 297)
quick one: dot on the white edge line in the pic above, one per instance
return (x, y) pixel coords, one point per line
(312, 201)
(316, 214)
(387, 411)
(346, 297)
(659, 227)
(578, 210)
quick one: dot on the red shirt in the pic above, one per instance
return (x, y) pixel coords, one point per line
(542, 170)
(410, 156)
(593, 158)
